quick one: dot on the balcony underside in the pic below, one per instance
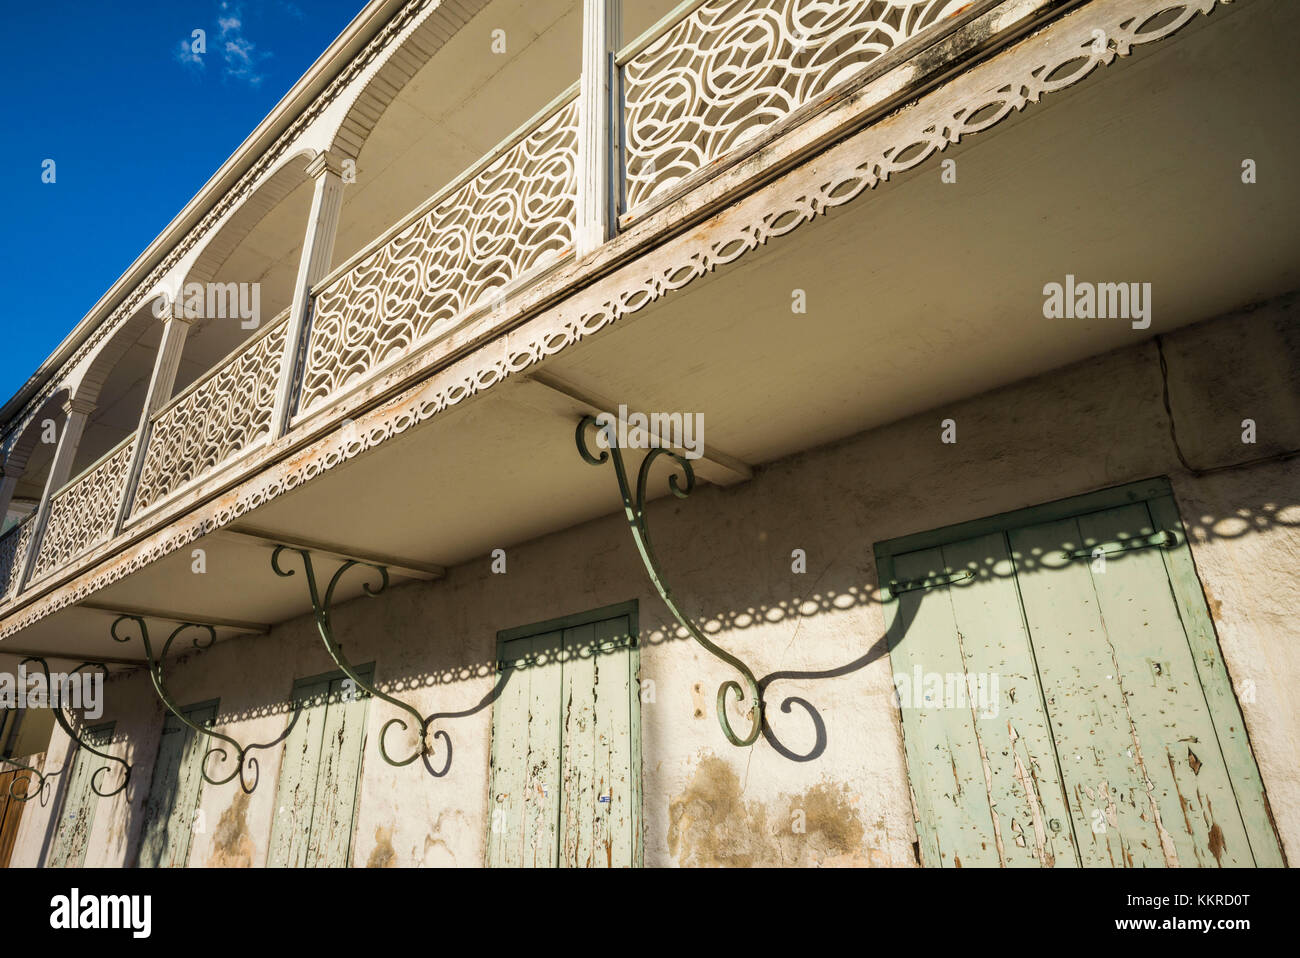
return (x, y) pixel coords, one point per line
(919, 293)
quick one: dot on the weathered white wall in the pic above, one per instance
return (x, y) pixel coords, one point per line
(33, 725)
(728, 553)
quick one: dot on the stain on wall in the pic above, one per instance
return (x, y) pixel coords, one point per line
(382, 855)
(712, 824)
(231, 846)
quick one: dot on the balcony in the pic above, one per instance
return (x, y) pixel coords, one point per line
(83, 512)
(212, 424)
(704, 92)
(497, 227)
(13, 548)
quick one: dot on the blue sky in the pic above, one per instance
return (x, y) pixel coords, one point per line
(135, 122)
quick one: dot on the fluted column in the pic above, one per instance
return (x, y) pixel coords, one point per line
(602, 31)
(161, 385)
(65, 454)
(7, 486)
(314, 263)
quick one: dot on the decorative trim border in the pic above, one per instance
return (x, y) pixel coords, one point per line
(1059, 55)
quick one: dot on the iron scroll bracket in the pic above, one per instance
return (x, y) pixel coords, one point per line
(322, 607)
(634, 509)
(246, 768)
(29, 774)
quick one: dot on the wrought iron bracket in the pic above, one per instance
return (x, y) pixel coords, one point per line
(634, 509)
(322, 606)
(30, 773)
(247, 768)
(27, 774)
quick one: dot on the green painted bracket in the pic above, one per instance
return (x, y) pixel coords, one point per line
(245, 761)
(30, 774)
(634, 509)
(322, 607)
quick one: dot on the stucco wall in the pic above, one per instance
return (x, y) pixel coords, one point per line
(835, 753)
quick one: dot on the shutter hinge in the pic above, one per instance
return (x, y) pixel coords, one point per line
(930, 582)
(1161, 540)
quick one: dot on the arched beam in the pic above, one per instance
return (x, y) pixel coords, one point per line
(410, 40)
(208, 257)
(13, 462)
(101, 363)
(22, 441)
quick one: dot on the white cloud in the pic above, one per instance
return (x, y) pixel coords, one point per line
(240, 54)
(185, 55)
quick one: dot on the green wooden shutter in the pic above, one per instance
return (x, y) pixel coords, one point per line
(78, 814)
(1113, 697)
(11, 810)
(1134, 732)
(565, 786)
(175, 789)
(526, 754)
(990, 779)
(319, 773)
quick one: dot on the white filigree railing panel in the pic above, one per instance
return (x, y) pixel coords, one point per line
(82, 513)
(219, 417)
(13, 552)
(515, 214)
(728, 70)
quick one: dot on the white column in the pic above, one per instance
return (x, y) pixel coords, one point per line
(161, 384)
(14, 469)
(7, 486)
(317, 253)
(65, 454)
(602, 32)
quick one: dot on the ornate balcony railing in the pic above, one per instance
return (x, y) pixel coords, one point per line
(83, 512)
(698, 87)
(509, 216)
(13, 551)
(223, 415)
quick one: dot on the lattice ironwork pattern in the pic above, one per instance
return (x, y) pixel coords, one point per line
(213, 422)
(13, 551)
(515, 215)
(82, 514)
(729, 70)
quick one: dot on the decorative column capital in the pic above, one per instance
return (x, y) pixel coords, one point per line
(167, 308)
(75, 405)
(326, 162)
(177, 316)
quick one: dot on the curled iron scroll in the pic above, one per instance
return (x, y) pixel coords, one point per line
(247, 768)
(322, 606)
(634, 509)
(29, 773)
